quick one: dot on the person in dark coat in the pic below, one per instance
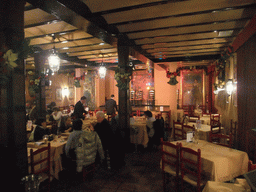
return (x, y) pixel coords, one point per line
(41, 129)
(119, 147)
(111, 106)
(107, 138)
(79, 108)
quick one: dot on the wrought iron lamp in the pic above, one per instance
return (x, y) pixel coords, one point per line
(53, 59)
(102, 70)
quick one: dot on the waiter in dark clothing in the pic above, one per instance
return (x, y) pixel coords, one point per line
(79, 108)
(111, 106)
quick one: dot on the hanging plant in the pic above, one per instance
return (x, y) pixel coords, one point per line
(123, 79)
(34, 83)
(77, 83)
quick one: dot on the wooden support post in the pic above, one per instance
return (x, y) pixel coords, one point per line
(13, 138)
(40, 59)
(124, 96)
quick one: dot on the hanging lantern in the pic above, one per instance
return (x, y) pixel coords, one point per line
(102, 71)
(54, 62)
(53, 59)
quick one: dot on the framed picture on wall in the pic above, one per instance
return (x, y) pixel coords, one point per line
(71, 93)
(58, 94)
(48, 93)
(192, 87)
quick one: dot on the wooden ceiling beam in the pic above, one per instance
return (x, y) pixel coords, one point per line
(78, 14)
(182, 15)
(236, 30)
(192, 58)
(215, 23)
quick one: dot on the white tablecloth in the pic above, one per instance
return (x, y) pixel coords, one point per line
(219, 163)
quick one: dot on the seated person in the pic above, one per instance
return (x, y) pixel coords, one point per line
(73, 138)
(40, 130)
(89, 145)
(71, 110)
(66, 125)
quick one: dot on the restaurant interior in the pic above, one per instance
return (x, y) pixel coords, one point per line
(191, 63)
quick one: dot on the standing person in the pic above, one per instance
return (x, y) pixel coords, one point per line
(56, 114)
(111, 106)
(106, 135)
(150, 128)
(79, 108)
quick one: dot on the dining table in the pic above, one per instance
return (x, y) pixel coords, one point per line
(57, 149)
(204, 130)
(138, 131)
(239, 185)
(219, 163)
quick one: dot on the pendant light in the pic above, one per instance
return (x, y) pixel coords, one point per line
(102, 70)
(53, 59)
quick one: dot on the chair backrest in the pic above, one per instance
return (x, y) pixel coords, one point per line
(233, 127)
(178, 132)
(250, 145)
(221, 139)
(91, 113)
(193, 118)
(214, 119)
(216, 128)
(170, 155)
(158, 116)
(40, 157)
(190, 165)
(158, 126)
(188, 128)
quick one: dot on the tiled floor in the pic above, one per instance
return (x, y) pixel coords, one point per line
(141, 173)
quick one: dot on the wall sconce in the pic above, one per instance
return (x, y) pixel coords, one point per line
(65, 92)
(229, 87)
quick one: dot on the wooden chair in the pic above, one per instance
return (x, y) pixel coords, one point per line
(233, 131)
(190, 166)
(250, 145)
(214, 119)
(170, 158)
(91, 113)
(218, 138)
(138, 113)
(216, 128)
(193, 118)
(158, 116)
(187, 128)
(178, 131)
(43, 164)
(167, 119)
(88, 171)
(251, 166)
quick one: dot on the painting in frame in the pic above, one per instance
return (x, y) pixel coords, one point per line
(71, 93)
(192, 87)
(58, 94)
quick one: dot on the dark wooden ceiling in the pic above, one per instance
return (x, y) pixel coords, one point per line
(86, 31)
